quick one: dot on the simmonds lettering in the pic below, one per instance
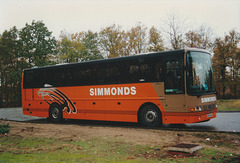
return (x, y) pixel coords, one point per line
(113, 91)
(208, 99)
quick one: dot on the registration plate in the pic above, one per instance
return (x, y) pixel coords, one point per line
(209, 115)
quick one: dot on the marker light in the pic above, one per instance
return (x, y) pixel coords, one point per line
(197, 108)
(191, 109)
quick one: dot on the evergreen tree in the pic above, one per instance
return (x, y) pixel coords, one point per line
(38, 44)
(10, 68)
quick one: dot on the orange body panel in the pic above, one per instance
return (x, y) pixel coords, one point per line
(111, 103)
(104, 102)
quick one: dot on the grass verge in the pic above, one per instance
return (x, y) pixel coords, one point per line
(229, 105)
(18, 149)
(230, 141)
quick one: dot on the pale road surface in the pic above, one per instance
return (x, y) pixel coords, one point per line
(225, 121)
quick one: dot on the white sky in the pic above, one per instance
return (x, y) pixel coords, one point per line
(81, 15)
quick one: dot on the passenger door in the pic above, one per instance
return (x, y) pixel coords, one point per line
(174, 83)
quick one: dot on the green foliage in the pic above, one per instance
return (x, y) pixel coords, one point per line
(37, 44)
(18, 149)
(4, 129)
(68, 51)
(11, 65)
(213, 155)
(78, 47)
(91, 44)
(31, 46)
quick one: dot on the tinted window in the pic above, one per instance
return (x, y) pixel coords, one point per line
(134, 73)
(39, 78)
(82, 75)
(28, 79)
(151, 69)
(113, 73)
(109, 73)
(101, 74)
(174, 74)
(143, 69)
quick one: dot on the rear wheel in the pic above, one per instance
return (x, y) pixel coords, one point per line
(55, 113)
(151, 116)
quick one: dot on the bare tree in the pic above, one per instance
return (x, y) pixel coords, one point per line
(176, 29)
(200, 38)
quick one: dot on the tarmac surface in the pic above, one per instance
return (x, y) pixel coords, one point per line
(225, 121)
(15, 114)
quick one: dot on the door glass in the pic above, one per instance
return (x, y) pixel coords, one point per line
(174, 75)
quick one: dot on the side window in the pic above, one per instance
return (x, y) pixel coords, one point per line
(101, 74)
(49, 77)
(158, 70)
(113, 74)
(134, 71)
(60, 77)
(87, 77)
(151, 69)
(82, 75)
(28, 79)
(147, 69)
(174, 75)
(108, 73)
(40, 78)
(146, 72)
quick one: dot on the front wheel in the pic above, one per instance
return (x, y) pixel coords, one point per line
(55, 113)
(151, 116)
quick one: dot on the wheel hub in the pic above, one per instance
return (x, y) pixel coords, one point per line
(151, 116)
(55, 113)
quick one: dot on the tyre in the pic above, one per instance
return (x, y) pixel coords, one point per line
(55, 113)
(151, 116)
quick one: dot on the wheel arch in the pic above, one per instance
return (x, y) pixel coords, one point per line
(50, 118)
(54, 103)
(141, 108)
